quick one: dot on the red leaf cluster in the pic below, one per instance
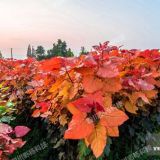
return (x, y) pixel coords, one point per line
(86, 86)
(8, 144)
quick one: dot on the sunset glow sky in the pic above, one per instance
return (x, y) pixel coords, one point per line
(133, 23)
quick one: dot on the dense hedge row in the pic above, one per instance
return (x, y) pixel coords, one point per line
(85, 99)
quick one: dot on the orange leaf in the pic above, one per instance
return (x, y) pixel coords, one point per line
(112, 117)
(113, 131)
(150, 94)
(79, 127)
(112, 85)
(108, 70)
(130, 107)
(36, 113)
(136, 95)
(158, 83)
(97, 140)
(74, 110)
(108, 100)
(85, 71)
(63, 119)
(56, 85)
(92, 84)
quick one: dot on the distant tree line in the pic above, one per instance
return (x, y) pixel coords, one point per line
(58, 49)
(1, 55)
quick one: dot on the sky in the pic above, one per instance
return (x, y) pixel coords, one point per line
(132, 23)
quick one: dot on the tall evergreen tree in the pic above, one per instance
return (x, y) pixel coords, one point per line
(40, 53)
(33, 52)
(83, 51)
(29, 52)
(69, 53)
(60, 49)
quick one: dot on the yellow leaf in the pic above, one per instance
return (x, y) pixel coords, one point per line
(97, 140)
(56, 85)
(64, 92)
(86, 142)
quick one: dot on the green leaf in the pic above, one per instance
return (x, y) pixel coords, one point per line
(2, 109)
(107, 148)
(10, 104)
(5, 89)
(7, 119)
(83, 150)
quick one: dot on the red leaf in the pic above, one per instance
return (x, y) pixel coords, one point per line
(52, 64)
(21, 131)
(108, 70)
(89, 61)
(44, 106)
(83, 104)
(91, 101)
